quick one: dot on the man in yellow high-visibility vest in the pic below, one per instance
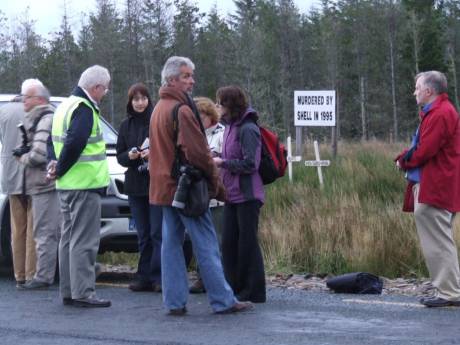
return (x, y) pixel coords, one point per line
(81, 174)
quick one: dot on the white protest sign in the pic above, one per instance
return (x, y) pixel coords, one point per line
(314, 108)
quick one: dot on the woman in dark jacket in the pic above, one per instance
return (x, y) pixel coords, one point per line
(239, 163)
(133, 153)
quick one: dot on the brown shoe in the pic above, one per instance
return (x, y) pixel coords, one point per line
(178, 312)
(237, 307)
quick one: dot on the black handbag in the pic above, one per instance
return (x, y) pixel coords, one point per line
(358, 282)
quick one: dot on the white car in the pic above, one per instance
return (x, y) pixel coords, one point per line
(117, 230)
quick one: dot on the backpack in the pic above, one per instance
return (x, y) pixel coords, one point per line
(273, 161)
(273, 156)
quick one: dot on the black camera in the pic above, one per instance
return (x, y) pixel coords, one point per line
(25, 146)
(188, 174)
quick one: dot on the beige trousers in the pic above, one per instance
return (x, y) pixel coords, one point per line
(22, 238)
(435, 230)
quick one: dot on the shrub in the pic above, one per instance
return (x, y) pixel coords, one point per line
(354, 224)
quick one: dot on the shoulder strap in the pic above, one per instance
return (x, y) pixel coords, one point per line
(37, 120)
(176, 162)
(175, 116)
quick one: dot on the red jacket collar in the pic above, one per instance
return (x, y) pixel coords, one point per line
(436, 103)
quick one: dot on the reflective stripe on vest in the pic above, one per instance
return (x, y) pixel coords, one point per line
(91, 170)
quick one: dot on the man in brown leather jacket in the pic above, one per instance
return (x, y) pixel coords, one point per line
(177, 85)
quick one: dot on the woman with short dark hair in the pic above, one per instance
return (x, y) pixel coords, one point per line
(241, 255)
(133, 153)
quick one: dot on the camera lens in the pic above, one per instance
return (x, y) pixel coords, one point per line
(183, 186)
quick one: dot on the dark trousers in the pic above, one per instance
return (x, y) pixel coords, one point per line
(148, 219)
(241, 255)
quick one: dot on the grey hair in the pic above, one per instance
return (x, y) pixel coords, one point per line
(435, 80)
(94, 75)
(38, 88)
(28, 83)
(43, 92)
(172, 67)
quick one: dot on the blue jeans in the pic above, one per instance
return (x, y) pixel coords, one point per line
(148, 220)
(206, 249)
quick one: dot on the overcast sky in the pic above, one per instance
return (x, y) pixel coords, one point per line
(48, 13)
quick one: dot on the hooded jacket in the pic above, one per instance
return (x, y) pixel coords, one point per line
(241, 152)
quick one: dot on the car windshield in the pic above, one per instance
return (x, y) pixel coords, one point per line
(110, 136)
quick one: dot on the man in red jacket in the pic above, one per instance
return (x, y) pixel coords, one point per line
(432, 166)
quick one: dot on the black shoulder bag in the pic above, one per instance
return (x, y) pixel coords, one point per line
(357, 282)
(197, 200)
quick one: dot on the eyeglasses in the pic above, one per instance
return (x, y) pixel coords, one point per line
(25, 97)
(106, 89)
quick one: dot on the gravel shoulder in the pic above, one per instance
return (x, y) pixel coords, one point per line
(317, 283)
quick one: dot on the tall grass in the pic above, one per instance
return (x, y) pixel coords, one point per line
(354, 224)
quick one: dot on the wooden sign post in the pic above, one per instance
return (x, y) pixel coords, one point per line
(290, 158)
(318, 163)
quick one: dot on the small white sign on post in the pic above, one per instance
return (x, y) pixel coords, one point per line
(318, 163)
(290, 158)
(314, 108)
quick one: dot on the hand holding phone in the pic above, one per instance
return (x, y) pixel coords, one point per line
(133, 153)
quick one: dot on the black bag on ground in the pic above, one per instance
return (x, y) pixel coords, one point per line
(357, 282)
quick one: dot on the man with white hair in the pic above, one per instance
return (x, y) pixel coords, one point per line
(45, 204)
(12, 183)
(190, 138)
(82, 175)
(432, 166)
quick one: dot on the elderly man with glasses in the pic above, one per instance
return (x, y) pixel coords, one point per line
(45, 203)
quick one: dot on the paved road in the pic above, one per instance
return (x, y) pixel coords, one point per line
(290, 317)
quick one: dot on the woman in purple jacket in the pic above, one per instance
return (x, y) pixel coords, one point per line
(241, 255)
